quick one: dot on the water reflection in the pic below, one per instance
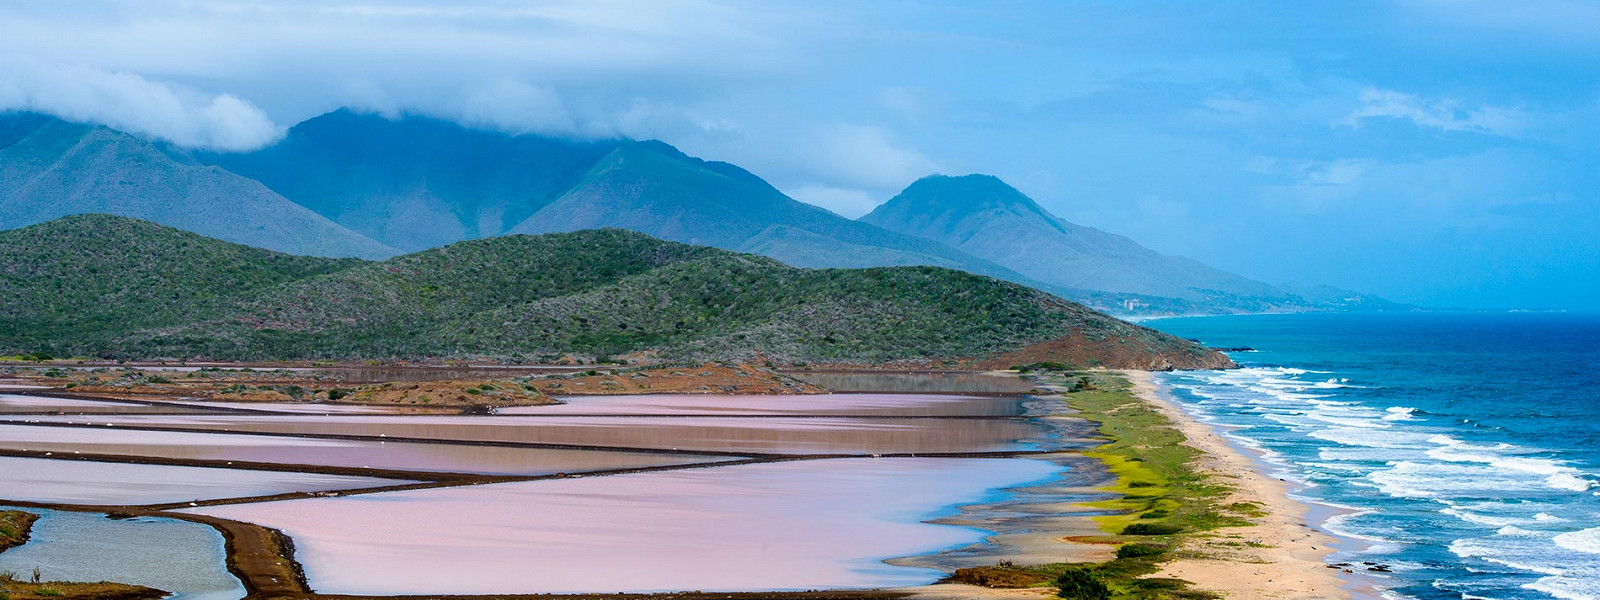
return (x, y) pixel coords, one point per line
(788, 525)
(98, 483)
(993, 383)
(785, 435)
(167, 554)
(897, 405)
(491, 460)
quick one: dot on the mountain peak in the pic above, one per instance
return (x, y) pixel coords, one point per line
(983, 216)
(948, 199)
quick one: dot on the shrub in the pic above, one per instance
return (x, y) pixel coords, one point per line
(1081, 584)
(48, 591)
(1151, 529)
(1043, 366)
(1140, 550)
(998, 576)
(338, 393)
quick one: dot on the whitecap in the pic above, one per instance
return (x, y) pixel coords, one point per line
(1398, 413)
(1583, 540)
(1567, 588)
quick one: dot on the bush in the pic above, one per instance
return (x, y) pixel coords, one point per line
(1151, 529)
(1140, 550)
(1043, 366)
(999, 576)
(338, 393)
(1081, 584)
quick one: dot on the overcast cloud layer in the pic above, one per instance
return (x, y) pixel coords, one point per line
(1433, 151)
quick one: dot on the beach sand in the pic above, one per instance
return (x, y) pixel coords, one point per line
(1290, 560)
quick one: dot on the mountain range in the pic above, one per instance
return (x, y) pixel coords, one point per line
(115, 287)
(361, 185)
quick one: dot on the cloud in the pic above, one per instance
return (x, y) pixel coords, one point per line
(516, 107)
(132, 103)
(848, 202)
(1445, 114)
(861, 156)
(1564, 20)
(1467, 192)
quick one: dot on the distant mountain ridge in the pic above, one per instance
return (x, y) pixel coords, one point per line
(652, 188)
(592, 293)
(353, 184)
(983, 216)
(418, 182)
(415, 182)
(50, 168)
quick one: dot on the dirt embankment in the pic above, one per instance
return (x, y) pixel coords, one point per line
(1110, 353)
(18, 589)
(705, 379)
(15, 526)
(288, 387)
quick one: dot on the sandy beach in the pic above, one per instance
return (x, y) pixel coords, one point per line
(1279, 557)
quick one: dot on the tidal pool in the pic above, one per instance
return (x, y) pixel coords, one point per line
(184, 558)
(889, 405)
(446, 458)
(99, 483)
(771, 526)
(783, 435)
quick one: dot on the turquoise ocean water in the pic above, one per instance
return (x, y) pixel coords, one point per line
(1462, 450)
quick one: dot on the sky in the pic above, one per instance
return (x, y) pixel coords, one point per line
(1437, 152)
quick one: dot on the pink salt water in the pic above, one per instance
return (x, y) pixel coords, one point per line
(786, 435)
(901, 405)
(773, 526)
(20, 404)
(452, 458)
(83, 482)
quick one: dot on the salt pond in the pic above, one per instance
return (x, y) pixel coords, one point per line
(99, 483)
(451, 458)
(896, 405)
(21, 404)
(167, 554)
(1001, 383)
(788, 435)
(787, 525)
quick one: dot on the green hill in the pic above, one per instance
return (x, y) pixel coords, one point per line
(591, 293)
(89, 278)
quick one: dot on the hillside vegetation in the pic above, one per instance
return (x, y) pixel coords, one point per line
(116, 287)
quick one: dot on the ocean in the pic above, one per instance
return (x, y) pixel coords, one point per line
(1460, 452)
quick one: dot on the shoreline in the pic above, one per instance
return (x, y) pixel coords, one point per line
(1283, 555)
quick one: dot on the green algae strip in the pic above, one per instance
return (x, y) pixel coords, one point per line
(1160, 498)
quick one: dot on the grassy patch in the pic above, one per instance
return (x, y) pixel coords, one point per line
(14, 527)
(1160, 499)
(12, 588)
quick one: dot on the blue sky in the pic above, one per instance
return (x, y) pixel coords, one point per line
(1439, 152)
